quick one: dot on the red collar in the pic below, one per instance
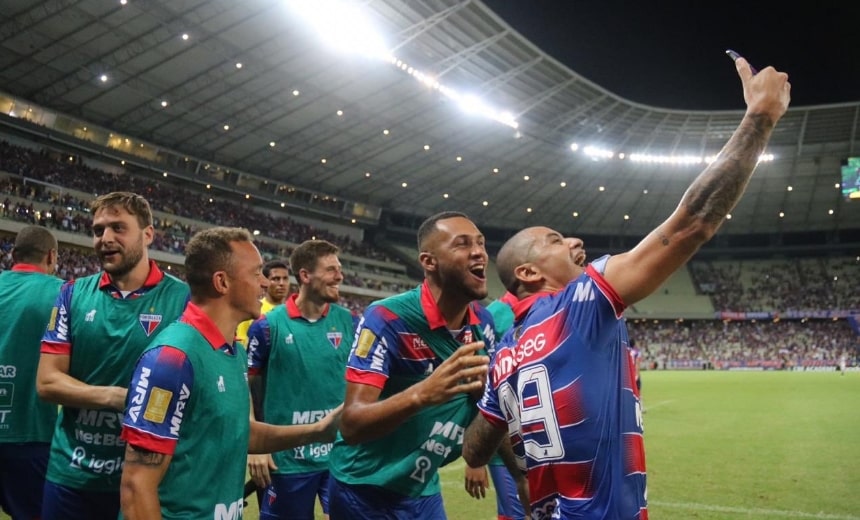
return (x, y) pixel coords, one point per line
(194, 316)
(27, 268)
(293, 310)
(155, 275)
(521, 307)
(434, 316)
(508, 298)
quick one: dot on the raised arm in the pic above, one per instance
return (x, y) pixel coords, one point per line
(712, 195)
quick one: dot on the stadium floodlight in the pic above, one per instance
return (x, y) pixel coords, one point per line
(472, 104)
(596, 153)
(342, 25)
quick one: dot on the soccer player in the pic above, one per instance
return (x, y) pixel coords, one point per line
(562, 385)
(301, 345)
(101, 325)
(28, 292)
(278, 274)
(186, 424)
(415, 370)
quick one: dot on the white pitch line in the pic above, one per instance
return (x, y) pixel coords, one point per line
(650, 406)
(753, 512)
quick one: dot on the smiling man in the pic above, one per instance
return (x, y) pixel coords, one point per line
(304, 340)
(415, 370)
(99, 326)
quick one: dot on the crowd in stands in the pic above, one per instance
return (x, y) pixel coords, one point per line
(69, 213)
(782, 344)
(70, 173)
(798, 284)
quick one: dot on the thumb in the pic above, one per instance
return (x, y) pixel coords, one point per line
(744, 69)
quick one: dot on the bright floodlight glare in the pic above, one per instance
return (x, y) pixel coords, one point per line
(472, 104)
(343, 25)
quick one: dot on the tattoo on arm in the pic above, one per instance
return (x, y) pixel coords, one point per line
(664, 239)
(716, 191)
(484, 438)
(143, 457)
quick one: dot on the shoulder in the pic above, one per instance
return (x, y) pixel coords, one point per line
(173, 283)
(339, 310)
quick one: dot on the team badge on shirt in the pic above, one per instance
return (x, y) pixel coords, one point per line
(149, 322)
(334, 338)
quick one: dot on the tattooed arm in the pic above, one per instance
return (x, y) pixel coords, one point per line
(480, 441)
(712, 195)
(141, 474)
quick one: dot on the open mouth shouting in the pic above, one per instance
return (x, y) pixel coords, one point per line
(479, 271)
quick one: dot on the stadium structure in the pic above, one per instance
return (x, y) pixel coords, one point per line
(360, 121)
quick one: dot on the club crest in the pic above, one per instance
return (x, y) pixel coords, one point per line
(149, 322)
(334, 338)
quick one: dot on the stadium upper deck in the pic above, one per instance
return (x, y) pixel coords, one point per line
(252, 99)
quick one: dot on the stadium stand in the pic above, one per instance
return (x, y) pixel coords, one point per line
(40, 187)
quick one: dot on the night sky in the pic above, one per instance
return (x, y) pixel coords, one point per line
(671, 54)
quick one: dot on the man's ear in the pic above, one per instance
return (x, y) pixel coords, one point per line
(220, 282)
(427, 260)
(527, 273)
(148, 235)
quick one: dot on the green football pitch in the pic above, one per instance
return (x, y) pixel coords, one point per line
(734, 445)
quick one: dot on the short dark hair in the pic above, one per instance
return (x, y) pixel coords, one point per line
(208, 252)
(513, 253)
(131, 202)
(306, 255)
(274, 264)
(32, 243)
(429, 225)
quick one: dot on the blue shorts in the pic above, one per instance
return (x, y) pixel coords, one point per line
(22, 478)
(363, 502)
(65, 503)
(507, 501)
(293, 496)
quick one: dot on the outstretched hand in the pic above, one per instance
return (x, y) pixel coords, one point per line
(464, 372)
(766, 92)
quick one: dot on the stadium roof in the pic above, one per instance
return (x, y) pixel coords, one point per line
(297, 112)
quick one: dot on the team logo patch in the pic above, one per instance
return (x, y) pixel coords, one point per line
(365, 340)
(149, 322)
(156, 407)
(334, 338)
(413, 348)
